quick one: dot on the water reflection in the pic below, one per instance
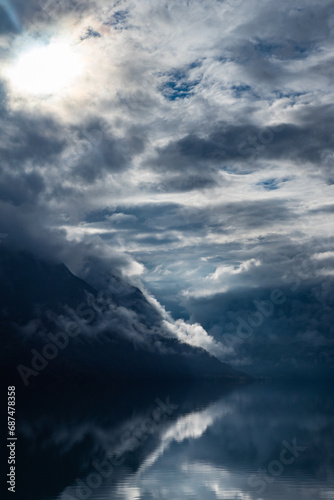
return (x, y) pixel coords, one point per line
(205, 442)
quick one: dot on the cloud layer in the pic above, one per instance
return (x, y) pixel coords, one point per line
(194, 153)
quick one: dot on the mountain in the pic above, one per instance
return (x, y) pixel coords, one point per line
(55, 326)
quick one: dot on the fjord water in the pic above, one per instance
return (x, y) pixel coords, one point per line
(196, 441)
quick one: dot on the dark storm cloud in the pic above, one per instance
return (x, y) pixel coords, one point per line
(87, 152)
(26, 227)
(188, 182)
(291, 33)
(106, 152)
(29, 137)
(303, 26)
(28, 144)
(246, 143)
(20, 189)
(323, 209)
(189, 153)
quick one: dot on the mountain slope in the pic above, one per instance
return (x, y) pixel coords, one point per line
(55, 325)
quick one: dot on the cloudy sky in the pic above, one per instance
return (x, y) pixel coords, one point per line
(189, 146)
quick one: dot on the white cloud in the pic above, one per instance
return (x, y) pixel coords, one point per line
(243, 267)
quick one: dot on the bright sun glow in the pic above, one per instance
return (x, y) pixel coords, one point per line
(45, 70)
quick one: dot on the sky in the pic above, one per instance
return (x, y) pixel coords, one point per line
(188, 146)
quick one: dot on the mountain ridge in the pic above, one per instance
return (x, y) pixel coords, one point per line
(114, 333)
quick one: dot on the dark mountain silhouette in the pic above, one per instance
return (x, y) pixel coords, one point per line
(56, 326)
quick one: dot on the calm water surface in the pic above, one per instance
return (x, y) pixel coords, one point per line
(260, 441)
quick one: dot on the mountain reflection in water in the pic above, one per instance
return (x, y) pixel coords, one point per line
(193, 441)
